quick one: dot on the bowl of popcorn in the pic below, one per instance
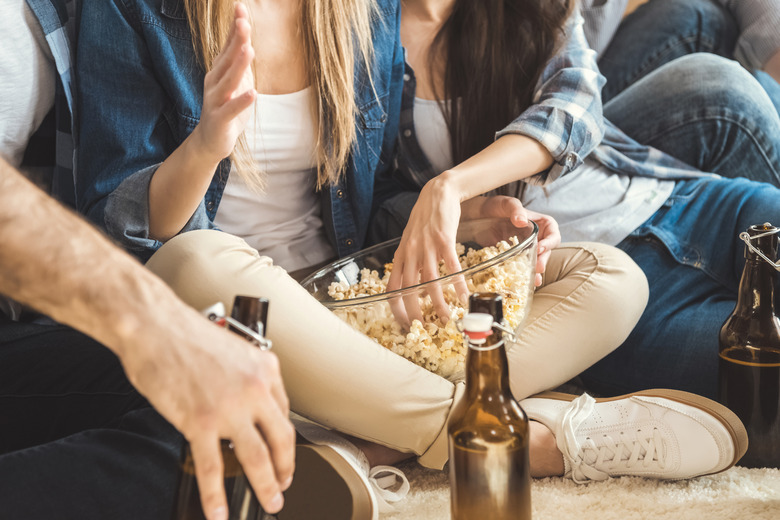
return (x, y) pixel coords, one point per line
(495, 256)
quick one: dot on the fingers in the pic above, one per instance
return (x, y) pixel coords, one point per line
(277, 432)
(231, 80)
(431, 272)
(256, 460)
(452, 264)
(239, 36)
(208, 471)
(411, 276)
(276, 384)
(235, 106)
(396, 304)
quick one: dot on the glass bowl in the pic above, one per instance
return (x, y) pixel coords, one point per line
(495, 257)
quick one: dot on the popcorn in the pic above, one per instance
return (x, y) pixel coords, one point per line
(430, 344)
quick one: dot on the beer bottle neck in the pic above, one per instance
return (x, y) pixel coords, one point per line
(756, 289)
(487, 369)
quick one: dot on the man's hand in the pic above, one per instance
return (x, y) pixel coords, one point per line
(211, 385)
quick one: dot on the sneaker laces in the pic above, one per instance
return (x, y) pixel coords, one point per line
(383, 480)
(582, 459)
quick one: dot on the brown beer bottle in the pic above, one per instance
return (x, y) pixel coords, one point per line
(242, 502)
(488, 431)
(749, 370)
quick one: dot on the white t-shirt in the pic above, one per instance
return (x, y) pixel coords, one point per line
(432, 133)
(27, 78)
(285, 221)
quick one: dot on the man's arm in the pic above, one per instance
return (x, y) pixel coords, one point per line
(207, 382)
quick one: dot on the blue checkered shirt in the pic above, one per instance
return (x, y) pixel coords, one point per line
(52, 147)
(566, 118)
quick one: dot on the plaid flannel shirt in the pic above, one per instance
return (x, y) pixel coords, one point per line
(566, 118)
(52, 148)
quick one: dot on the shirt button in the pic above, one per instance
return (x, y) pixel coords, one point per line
(349, 242)
(569, 161)
(407, 133)
(407, 77)
(210, 206)
(340, 194)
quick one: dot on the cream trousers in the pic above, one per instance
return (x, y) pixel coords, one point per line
(591, 298)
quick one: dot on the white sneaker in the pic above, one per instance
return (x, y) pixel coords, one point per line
(333, 480)
(663, 434)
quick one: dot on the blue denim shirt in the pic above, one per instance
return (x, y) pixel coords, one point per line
(141, 92)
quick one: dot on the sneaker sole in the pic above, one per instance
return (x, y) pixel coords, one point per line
(729, 419)
(325, 487)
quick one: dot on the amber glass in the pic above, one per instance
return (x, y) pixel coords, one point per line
(242, 502)
(488, 434)
(749, 369)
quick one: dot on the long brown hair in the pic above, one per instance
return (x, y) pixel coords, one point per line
(494, 52)
(334, 33)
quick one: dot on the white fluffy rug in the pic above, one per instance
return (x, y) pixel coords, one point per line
(738, 493)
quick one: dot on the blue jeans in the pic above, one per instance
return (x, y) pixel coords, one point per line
(661, 31)
(692, 257)
(706, 111)
(667, 89)
(76, 439)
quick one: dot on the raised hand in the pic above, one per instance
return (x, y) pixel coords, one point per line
(228, 91)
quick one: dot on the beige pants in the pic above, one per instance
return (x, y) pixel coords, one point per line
(591, 298)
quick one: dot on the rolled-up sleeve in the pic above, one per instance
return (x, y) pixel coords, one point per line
(124, 127)
(759, 24)
(566, 116)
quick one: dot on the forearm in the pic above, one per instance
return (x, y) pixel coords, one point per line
(772, 67)
(510, 158)
(178, 186)
(55, 262)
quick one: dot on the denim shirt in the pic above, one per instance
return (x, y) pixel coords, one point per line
(566, 118)
(141, 91)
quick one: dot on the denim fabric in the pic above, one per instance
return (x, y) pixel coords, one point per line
(129, 471)
(661, 31)
(55, 381)
(141, 90)
(706, 111)
(76, 439)
(693, 259)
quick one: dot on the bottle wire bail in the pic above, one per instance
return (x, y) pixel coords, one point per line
(500, 326)
(747, 239)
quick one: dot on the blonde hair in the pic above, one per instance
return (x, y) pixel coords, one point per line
(334, 33)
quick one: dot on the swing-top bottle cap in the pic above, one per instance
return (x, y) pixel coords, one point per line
(477, 325)
(763, 237)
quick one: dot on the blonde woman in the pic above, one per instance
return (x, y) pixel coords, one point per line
(274, 122)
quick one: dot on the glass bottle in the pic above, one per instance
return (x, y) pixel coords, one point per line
(749, 364)
(242, 502)
(488, 431)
